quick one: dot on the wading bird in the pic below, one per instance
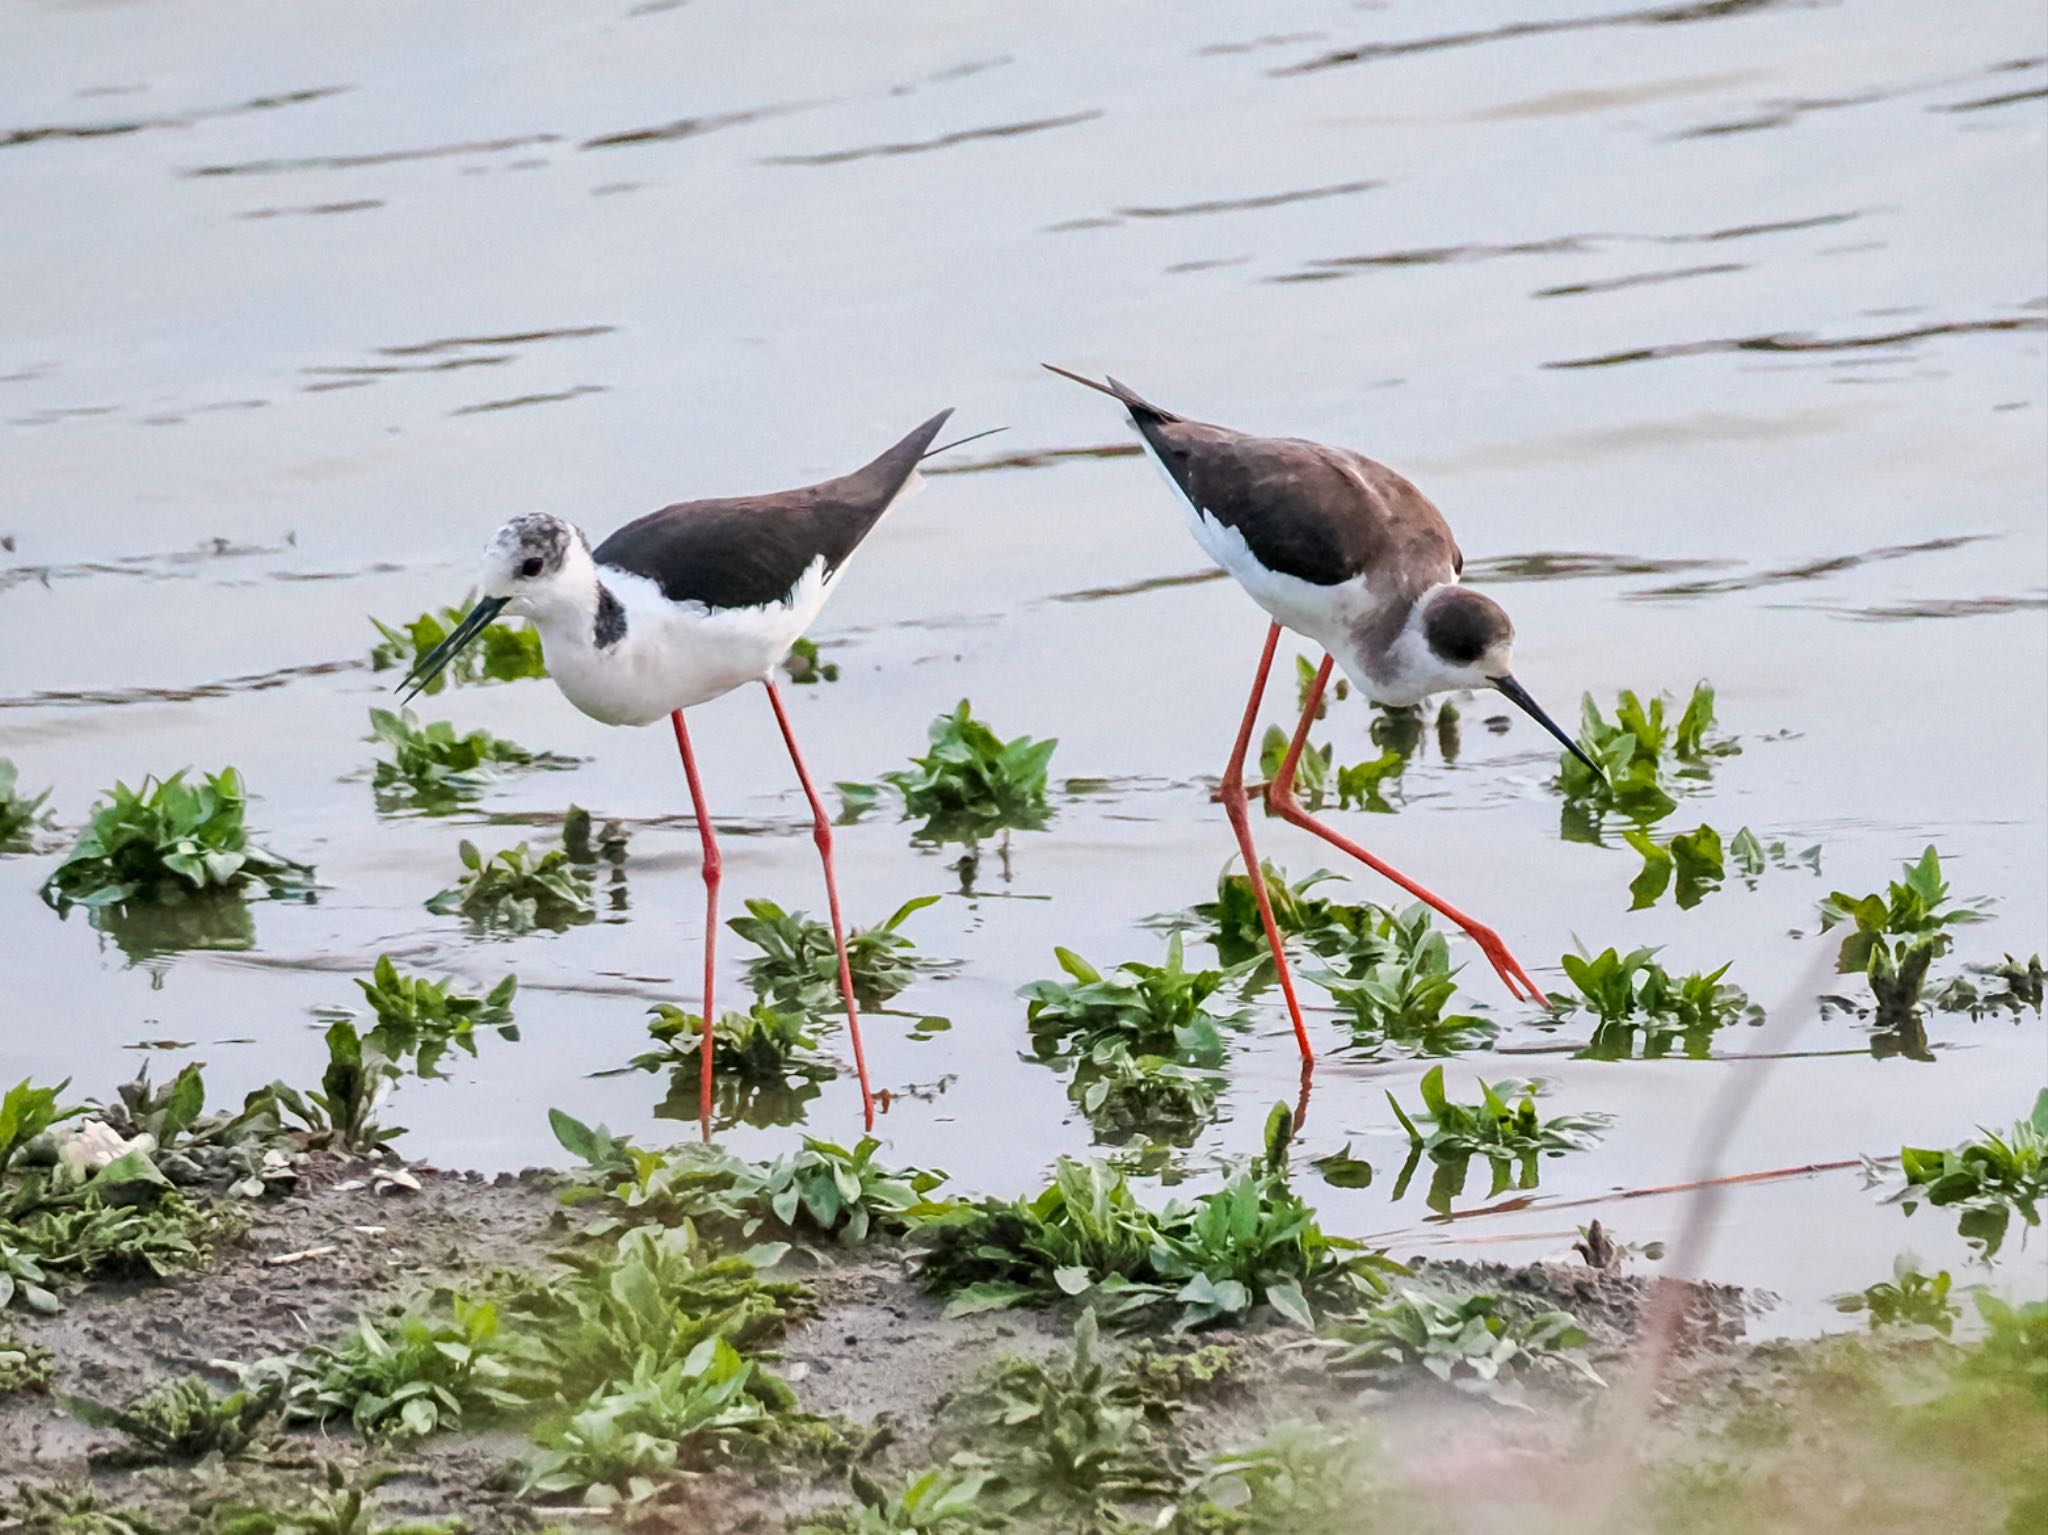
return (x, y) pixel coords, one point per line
(1347, 552)
(681, 607)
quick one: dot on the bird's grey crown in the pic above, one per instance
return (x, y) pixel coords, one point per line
(539, 533)
(1461, 625)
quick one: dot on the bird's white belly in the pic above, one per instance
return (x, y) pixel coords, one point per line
(677, 655)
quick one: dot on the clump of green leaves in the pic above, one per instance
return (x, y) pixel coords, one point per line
(1633, 997)
(421, 1018)
(187, 1419)
(764, 1046)
(971, 784)
(411, 1375)
(170, 841)
(433, 768)
(1694, 857)
(820, 1189)
(24, 1363)
(802, 664)
(1915, 908)
(502, 653)
(943, 1500)
(2019, 989)
(341, 1115)
(1508, 1136)
(1070, 1437)
(1252, 1242)
(1150, 1009)
(515, 891)
(1301, 1479)
(1399, 979)
(798, 966)
(1646, 760)
(1350, 937)
(1317, 774)
(21, 819)
(1909, 1299)
(1475, 1344)
(1989, 1179)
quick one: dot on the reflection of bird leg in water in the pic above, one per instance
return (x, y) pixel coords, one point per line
(1308, 1073)
(924, 1092)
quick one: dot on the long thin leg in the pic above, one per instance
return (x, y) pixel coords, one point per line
(1280, 798)
(1233, 796)
(712, 870)
(821, 833)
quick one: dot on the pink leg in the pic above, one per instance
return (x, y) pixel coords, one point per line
(1232, 794)
(821, 833)
(712, 868)
(1280, 798)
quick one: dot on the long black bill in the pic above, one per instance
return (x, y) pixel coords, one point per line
(430, 664)
(1520, 695)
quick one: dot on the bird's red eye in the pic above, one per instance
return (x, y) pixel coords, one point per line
(531, 568)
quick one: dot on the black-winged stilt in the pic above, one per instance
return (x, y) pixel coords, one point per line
(1345, 551)
(681, 607)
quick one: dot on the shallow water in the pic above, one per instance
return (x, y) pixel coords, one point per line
(1717, 330)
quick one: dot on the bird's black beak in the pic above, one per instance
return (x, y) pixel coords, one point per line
(429, 665)
(1520, 695)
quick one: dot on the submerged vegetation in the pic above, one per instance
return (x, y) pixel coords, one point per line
(1638, 1005)
(1508, 1136)
(1646, 761)
(1987, 1180)
(22, 819)
(503, 652)
(419, 1019)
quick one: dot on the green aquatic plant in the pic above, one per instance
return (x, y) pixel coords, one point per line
(1349, 936)
(1633, 997)
(26, 1112)
(1252, 1242)
(802, 664)
(1988, 1180)
(515, 891)
(2019, 989)
(1644, 760)
(971, 784)
(1916, 908)
(762, 1047)
(341, 1114)
(432, 767)
(1475, 1343)
(187, 1419)
(1303, 1478)
(408, 1376)
(420, 1018)
(1125, 1095)
(22, 819)
(1908, 1299)
(170, 841)
(1508, 1136)
(1695, 859)
(1311, 769)
(1397, 986)
(502, 653)
(1151, 1009)
(798, 965)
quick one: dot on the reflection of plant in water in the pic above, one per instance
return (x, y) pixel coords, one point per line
(21, 818)
(1476, 1344)
(420, 1018)
(1646, 761)
(502, 653)
(1988, 1180)
(764, 1064)
(1126, 1095)
(1508, 1137)
(1908, 1299)
(799, 964)
(970, 785)
(1696, 858)
(1632, 995)
(433, 768)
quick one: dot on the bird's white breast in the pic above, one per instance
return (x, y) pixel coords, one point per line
(675, 655)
